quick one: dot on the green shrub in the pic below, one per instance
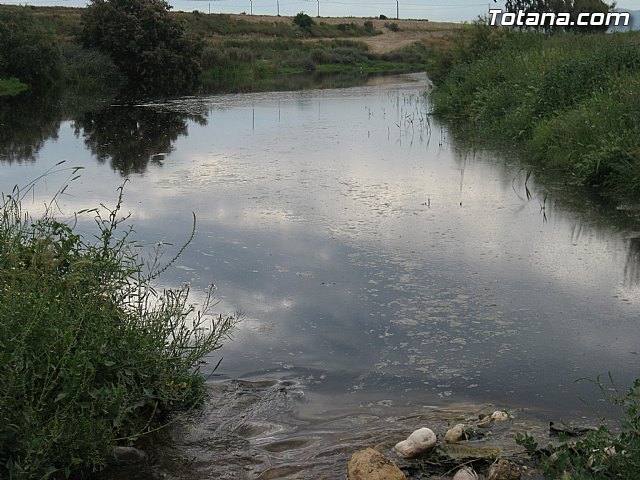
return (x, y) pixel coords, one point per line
(303, 21)
(90, 354)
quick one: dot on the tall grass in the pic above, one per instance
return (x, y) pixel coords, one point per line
(91, 354)
(570, 102)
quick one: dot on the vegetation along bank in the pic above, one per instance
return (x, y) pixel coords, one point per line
(148, 50)
(92, 355)
(568, 103)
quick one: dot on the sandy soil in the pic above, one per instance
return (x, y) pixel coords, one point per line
(410, 30)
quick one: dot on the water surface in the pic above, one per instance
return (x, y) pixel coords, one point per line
(377, 263)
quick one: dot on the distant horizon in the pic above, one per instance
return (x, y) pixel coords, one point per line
(441, 11)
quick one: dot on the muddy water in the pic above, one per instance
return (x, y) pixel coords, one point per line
(387, 275)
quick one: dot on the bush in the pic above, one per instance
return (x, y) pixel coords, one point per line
(393, 26)
(90, 355)
(303, 21)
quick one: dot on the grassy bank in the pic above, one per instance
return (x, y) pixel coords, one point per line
(259, 64)
(90, 355)
(568, 103)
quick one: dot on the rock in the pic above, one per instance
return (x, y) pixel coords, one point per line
(504, 470)
(369, 464)
(419, 441)
(128, 455)
(466, 473)
(499, 416)
(456, 434)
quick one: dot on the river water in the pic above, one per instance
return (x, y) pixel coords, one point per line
(385, 273)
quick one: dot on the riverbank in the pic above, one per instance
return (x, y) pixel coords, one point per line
(240, 53)
(567, 104)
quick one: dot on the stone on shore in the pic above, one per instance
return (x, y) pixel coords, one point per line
(128, 455)
(466, 473)
(499, 416)
(419, 441)
(456, 434)
(369, 464)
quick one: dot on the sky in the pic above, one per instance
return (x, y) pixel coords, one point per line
(434, 10)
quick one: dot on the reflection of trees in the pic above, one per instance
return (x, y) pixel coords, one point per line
(132, 136)
(26, 123)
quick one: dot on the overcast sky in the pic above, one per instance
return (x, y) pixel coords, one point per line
(435, 10)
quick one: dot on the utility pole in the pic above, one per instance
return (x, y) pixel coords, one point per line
(250, 7)
(278, 6)
(318, 8)
(397, 10)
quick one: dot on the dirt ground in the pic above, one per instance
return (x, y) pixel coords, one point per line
(410, 30)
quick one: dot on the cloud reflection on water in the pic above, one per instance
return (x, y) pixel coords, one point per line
(367, 254)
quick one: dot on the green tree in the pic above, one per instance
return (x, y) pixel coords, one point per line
(26, 53)
(150, 48)
(303, 21)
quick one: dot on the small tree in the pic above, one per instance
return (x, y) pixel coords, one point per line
(303, 21)
(148, 46)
